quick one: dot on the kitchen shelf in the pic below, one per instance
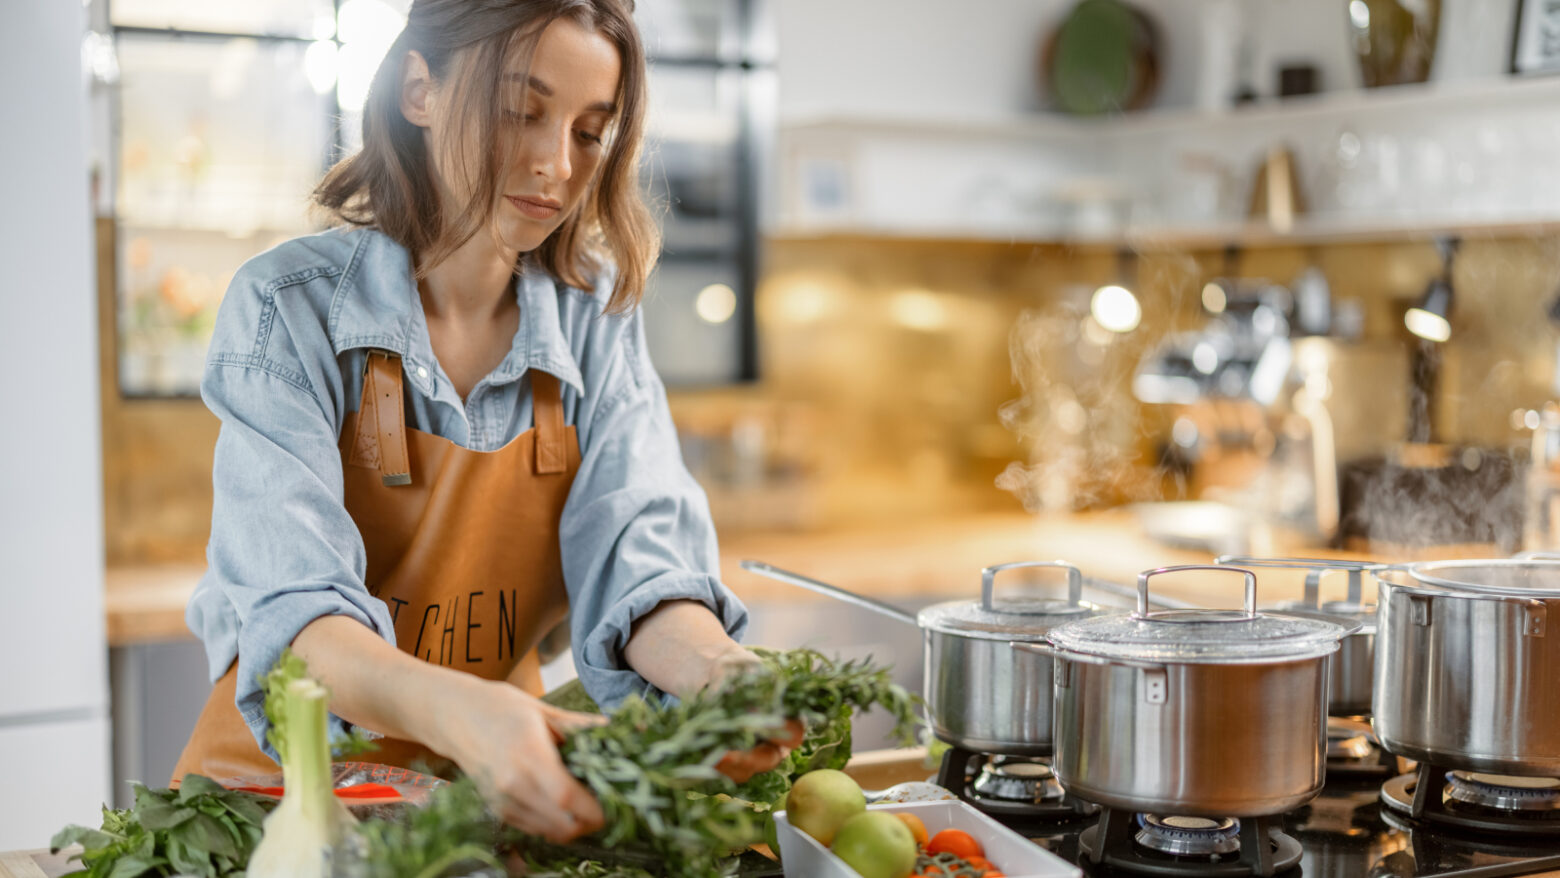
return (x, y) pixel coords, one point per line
(1169, 236)
(1433, 96)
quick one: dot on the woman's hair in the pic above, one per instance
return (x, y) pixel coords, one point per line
(466, 43)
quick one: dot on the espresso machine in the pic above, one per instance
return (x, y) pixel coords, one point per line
(1247, 393)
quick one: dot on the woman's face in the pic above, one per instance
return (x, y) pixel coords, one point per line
(555, 117)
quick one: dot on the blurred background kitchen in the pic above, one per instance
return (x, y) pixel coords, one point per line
(944, 285)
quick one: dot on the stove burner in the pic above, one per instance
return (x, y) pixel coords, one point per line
(1017, 779)
(1189, 836)
(1348, 739)
(1224, 847)
(1505, 793)
(1475, 802)
(1352, 750)
(1019, 791)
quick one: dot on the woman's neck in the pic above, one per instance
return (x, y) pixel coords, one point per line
(472, 283)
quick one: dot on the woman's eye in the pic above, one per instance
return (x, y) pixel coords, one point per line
(588, 137)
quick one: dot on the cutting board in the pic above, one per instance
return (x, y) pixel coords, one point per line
(34, 864)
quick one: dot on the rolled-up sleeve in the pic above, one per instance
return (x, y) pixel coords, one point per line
(636, 530)
(283, 549)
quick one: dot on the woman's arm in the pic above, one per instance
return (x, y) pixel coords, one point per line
(504, 739)
(680, 647)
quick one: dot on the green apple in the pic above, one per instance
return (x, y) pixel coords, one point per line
(877, 844)
(821, 800)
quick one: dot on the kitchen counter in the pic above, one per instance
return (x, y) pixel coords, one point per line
(872, 769)
(935, 558)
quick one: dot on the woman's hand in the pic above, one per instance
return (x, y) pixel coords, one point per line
(741, 765)
(681, 648)
(507, 742)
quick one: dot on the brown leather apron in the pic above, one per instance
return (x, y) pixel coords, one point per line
(462, 546)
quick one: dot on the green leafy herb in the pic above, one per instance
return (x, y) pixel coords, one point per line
(572, 696)
(198, 829)
(587, 869)
(652, 766)
(451, 834)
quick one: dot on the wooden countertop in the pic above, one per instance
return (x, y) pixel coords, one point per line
(939, 558)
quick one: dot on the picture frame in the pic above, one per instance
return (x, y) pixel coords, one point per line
(1535, 47)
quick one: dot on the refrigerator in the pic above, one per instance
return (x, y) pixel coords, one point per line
(53, 655)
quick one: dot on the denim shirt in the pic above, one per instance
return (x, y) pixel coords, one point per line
(284, 368)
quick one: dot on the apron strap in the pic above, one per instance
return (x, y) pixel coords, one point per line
(382, 417)
(547, 406)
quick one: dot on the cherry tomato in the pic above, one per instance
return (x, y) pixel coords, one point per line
(956, 842)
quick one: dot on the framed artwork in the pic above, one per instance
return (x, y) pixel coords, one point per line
(1536, 46)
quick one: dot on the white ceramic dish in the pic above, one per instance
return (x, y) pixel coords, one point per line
(803, 857)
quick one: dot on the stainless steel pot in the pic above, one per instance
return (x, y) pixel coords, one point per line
(1213, 713)
(1468, 660)
(981, 694)
(1352, 673)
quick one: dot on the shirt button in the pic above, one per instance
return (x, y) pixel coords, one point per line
(422, 371)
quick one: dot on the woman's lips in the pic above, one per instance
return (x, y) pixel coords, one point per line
(534, 208)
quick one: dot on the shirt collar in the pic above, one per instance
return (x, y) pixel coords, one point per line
(377, 306)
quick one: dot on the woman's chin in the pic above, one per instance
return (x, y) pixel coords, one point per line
(525, 237)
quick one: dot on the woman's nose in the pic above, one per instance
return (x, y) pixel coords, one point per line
(550, 152)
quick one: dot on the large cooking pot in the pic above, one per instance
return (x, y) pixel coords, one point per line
(1353, 670)
(1215, 713)
(1469, 665)
(981, 694)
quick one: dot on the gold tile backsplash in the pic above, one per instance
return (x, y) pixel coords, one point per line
(890, 391)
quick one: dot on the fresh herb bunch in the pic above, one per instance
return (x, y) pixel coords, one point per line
(198, 829)
(587, 869)
(454, 829)
(825, 694)
(652, 767)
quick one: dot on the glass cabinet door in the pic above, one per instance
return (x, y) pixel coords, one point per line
(221, 141)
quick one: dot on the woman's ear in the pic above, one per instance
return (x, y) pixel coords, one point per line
(416, 90)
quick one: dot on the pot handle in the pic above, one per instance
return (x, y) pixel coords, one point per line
(988, 580)
(1050, 651)
(1145, 576)
(1316, 568)
(833, 591)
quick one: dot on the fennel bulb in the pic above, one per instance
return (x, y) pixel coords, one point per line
(303, 833)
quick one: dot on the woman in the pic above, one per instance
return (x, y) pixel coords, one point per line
(440, 430)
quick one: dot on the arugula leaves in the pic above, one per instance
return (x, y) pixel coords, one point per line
(198, 829)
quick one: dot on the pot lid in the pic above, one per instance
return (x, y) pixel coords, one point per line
(1023, 616)
(1523, 577)
(1203, 636)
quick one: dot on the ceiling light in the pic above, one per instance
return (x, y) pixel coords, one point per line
(1214, 299)
(1115, 308)
(921, 310)
(716, 303)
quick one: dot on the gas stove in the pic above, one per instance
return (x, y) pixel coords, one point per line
(1359, 827)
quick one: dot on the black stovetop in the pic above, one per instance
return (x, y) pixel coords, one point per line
(1346, 832)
